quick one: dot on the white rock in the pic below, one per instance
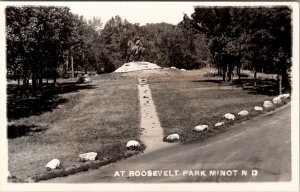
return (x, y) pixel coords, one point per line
(219, 124)
(229, 116)
(284, 96)
(258, 108)
(243, 113)
(173, 137)
(133, 143)
(173, 68)
(87, 79)
(90, 156)
(276, 100)
(183, 69)
(268, 104)
(53, 164)
(201, 127)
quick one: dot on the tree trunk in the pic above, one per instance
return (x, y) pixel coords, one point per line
(41, 83)
(238, 70)
(66, 68)
(26, 86)
(285, 79)
(18, 82)
(54, 80)
(34, 83)
(224, 73)
(279, 79)
(255, 76)
(228, 73)
(72, 67)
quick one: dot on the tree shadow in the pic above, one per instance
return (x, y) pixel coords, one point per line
(21, 103)
(217, 81)
(14, 131)
(267, 87)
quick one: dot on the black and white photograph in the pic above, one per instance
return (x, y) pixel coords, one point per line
(149, 96)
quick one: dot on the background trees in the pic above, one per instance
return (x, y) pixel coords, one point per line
(36, 40)
(253, 37)
(45, 40)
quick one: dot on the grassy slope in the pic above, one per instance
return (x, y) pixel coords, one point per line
(189, 99)
(101, 120)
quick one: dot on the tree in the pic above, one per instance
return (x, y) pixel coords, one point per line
(37, 37)
(256, 37)
(215, 23)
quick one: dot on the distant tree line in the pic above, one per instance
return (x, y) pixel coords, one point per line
(165, 44)
(45, 42)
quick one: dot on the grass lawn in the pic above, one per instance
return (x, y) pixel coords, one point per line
(189, 99)
(105, 115)
(100, 119)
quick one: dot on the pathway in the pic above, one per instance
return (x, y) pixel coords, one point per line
(152, 133)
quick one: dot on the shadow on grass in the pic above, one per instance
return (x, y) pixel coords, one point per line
(218, 81)
(14, 131)
(22, 104)
(267, 87)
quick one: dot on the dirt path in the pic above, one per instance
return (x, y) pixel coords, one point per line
(152, 133)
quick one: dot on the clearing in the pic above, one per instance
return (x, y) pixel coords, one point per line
(103, 117)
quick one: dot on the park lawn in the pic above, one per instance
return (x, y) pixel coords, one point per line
(189, 99)
(101, 119)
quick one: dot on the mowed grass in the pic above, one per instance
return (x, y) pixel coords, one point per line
(188, 99)
(99, 120)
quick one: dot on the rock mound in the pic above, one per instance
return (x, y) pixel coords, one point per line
(136, 66)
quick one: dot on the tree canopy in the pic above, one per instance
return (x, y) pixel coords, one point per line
(45, 41)
(252, 37)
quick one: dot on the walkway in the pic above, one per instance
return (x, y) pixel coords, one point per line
(152, 133)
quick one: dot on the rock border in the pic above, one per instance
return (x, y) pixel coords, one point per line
(81, 167)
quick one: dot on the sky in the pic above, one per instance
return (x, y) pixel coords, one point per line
(135, 12)
(146, 12)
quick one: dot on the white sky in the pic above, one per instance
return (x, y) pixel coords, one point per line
(135, 12)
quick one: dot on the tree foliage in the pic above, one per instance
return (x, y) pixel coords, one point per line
(45, 40)
(36, 39)
(257, 38)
